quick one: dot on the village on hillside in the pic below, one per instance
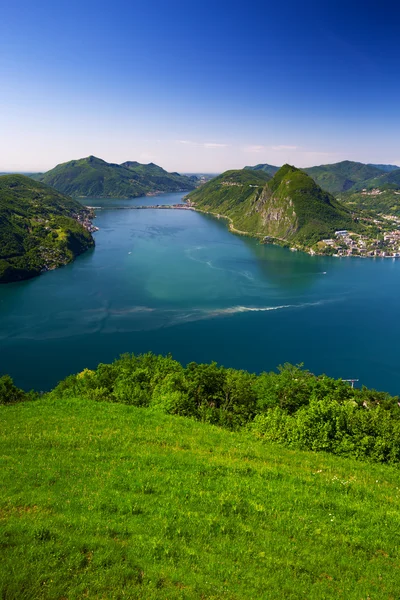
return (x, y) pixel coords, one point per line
(386, 244)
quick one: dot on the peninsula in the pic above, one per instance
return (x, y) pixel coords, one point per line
(40, 229)
(289, 208)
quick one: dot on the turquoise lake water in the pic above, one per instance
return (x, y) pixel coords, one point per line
(180, 282)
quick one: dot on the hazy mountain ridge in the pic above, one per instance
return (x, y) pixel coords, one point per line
(386, 168)
(270, 169)
(39, 228)
(93, 177)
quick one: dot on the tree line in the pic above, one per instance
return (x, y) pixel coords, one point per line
(292, 406)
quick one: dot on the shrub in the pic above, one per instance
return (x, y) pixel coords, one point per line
(9, 393)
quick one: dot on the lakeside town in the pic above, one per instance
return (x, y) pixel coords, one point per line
(385, 244)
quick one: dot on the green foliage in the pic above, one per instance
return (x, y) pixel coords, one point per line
(386, 202)
(230, 192)
(104, 500)
(9, 393)
(292, 406)
(386, 180)
(329, 426)
(289, 207)
(38, 228)
(340, 177)
(93, 177)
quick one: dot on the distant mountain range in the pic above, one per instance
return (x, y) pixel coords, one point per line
(269, 169)
(289, 206)
(388, 180)
(347, 175)
(93, 177)
(40, 229)
(386, 168)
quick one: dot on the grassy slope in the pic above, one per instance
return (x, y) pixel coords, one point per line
(93, 177)
(109, 501)
(37, 228)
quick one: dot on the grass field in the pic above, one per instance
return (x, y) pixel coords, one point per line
(102, 500)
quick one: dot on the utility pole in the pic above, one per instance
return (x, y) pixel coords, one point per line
(352, 381)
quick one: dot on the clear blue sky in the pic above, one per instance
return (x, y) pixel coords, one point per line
(199, 86)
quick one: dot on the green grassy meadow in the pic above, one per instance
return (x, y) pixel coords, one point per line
(105, 500)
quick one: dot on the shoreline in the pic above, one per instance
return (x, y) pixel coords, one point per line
(286, 243)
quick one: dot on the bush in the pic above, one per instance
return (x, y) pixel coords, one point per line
(9, 393)
(292, 407)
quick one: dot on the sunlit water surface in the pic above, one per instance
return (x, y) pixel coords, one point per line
(178, 281)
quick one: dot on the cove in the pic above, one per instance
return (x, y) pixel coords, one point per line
(178, 281)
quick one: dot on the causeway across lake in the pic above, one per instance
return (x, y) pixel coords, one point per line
(178, 281)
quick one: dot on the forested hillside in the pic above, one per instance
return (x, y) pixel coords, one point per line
(40, 229)
(289, 207)
(347, 175)
(93, 177)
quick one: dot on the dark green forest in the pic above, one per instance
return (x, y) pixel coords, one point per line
(39, 228)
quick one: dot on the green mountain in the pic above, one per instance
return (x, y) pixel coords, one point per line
(228, 192)
(92, 177)
(270, 169)
(379, 195)
(290, 207)
(342, 176)
(390, 180)
(373, 202)
(40, 229)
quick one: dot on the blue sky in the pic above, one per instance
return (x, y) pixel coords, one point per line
(199, 86)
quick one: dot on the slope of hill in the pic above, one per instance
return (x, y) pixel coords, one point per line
(290, 207)
(104, 500)
(156, 178)
(40, 229)
(386, 181)
(93, 177)
(385, 168)
(375, 201)
(342, 176)
(229, 191)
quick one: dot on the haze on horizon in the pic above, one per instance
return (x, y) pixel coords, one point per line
(199, 88)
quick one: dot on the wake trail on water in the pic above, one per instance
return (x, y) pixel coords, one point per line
(108, 320)
(204, 314)
(209, 263)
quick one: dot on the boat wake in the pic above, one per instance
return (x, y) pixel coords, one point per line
(106, 320)
(203, 314)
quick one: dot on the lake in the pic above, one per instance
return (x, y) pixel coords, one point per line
(178, 281)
